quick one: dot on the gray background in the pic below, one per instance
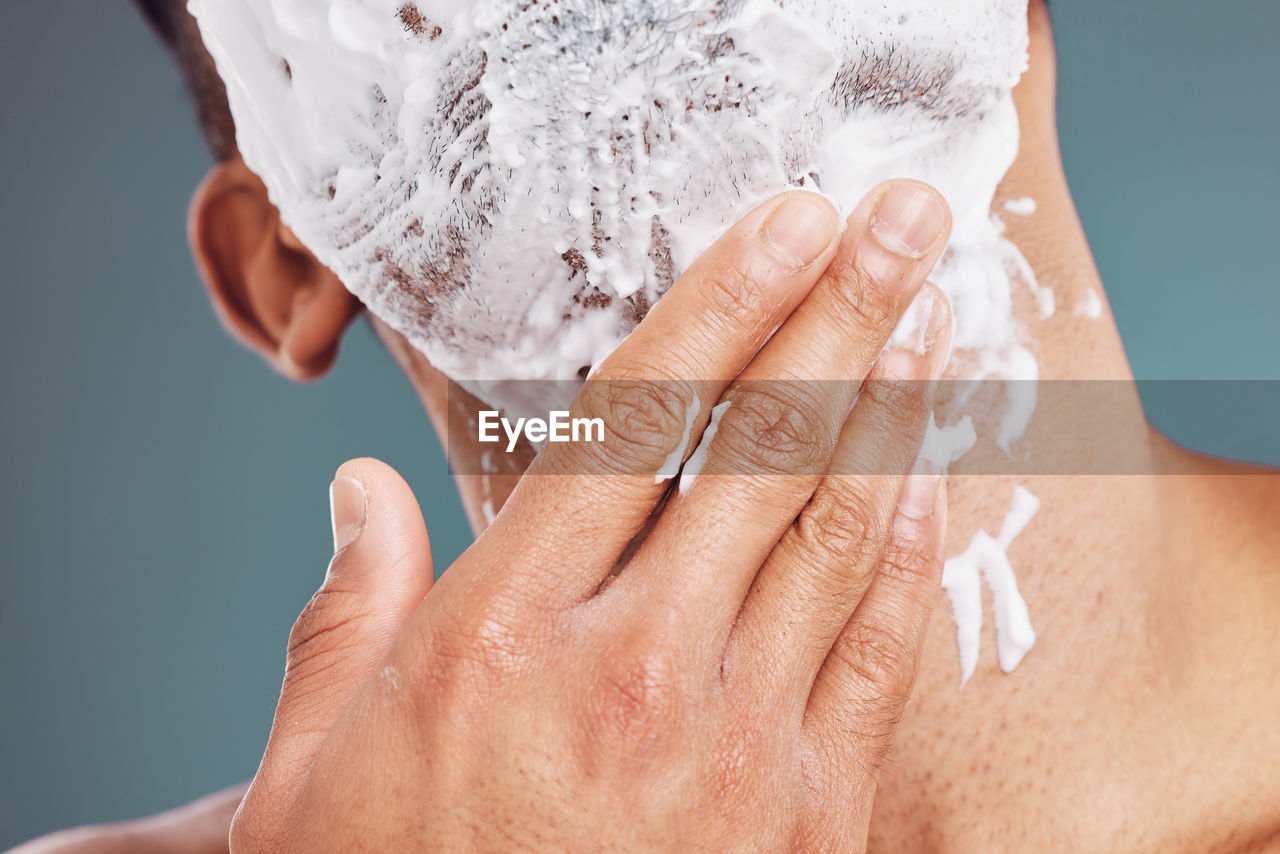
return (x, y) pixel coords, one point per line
(164, 510)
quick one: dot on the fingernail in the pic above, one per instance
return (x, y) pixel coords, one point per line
(348, 506)
(920, 492)
(908, 220)
(923, 324)
(902, 365)
(799, 231)
(937, 332)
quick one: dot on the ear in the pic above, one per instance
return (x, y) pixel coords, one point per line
(269, 291)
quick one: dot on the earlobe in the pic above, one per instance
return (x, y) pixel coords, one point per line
(269, 291)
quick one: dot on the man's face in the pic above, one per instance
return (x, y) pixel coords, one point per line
(512, 186)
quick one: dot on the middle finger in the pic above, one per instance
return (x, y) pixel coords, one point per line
(786, 410)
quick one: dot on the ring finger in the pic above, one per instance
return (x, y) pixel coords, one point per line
(811, 584)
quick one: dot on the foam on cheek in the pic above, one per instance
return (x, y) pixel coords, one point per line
(513, 185)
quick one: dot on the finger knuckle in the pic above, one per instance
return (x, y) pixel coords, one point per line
(861, 298)
(478, 646)
(899, 406)
(909, 558)
(636, 702)
(881, 659)
(735, 299)
(770, 431)
(645, 420)
(327, 627)
(839, 527)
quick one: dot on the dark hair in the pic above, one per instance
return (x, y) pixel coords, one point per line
(177, 30)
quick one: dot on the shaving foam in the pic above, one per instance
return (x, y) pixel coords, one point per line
(698, 459)
(671, 466)
(987, 559)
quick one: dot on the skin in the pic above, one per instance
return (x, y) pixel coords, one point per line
(1143, 720)
(538, 701)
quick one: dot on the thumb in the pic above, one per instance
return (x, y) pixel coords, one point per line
(380, 572)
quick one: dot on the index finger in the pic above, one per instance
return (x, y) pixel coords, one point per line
(706, 328)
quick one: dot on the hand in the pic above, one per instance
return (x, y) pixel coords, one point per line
(735, 684)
